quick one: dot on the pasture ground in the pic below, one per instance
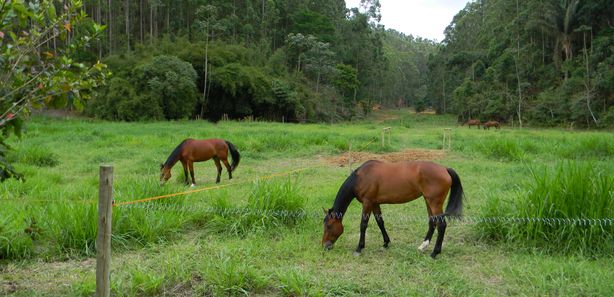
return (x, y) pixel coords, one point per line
(165, 252)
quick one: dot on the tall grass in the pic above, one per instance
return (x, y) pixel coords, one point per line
(37, 156)
(231, 276)
(270, 204)
(573, 190)
(15, 243)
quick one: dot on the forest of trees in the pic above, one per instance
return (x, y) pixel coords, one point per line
(538, 62)
(543, 62)
(300, 60)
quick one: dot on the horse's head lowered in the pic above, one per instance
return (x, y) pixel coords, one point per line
(333, 228)
(165, 173)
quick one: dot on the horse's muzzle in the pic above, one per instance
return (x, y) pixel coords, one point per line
(328, 246)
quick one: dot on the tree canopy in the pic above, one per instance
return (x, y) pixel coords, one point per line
(42, 45)
(542, 62)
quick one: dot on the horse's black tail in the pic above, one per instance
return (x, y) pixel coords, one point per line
(455, 203)
(236, 157)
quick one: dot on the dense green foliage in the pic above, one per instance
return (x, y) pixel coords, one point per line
(164, 88)
(542, 62)
(40, 47)
(276, 60)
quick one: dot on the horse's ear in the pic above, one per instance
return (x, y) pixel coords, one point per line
(325, 211)
(161, 165)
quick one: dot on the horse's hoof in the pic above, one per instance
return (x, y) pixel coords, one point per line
(434, 255)
(424, 245)
(356, 254)
(386, 244)
(193, 186)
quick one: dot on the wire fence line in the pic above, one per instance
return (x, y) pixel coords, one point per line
(307, 214)
(149, 204)
(266, 177)
(170, 195)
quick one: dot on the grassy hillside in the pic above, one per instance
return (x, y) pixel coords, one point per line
(178, 246)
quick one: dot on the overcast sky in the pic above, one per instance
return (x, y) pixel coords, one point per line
(425, 18)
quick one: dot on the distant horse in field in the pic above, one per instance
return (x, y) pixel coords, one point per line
(192, 150)
(377, 182)
(472, 122)
(489, 124)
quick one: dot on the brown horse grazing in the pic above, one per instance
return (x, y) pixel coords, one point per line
(377, 182)
(472, 122)
(489, 124)
(191, 150)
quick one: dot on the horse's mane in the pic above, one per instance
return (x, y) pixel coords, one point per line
(346, 193)
(172, 158)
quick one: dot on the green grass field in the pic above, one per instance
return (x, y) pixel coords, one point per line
(177, 246)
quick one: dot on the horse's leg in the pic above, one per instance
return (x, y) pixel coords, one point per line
(435, 204)
(377, 211)
(219, 169)
(191, 167)
(364, 222)
(441, 230)
(227, 168)
(185, 171)
(431, 230)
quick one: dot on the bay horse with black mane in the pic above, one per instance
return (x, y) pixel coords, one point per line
(489, 124)
(377, 182)
(192, 150)
(472, 122)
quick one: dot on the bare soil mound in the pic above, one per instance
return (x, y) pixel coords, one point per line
(406, 155)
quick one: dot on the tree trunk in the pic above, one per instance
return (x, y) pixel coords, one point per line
(155, 20)
(543, 48)
(517, 70)
(168, 17)
(202, 107)
(99, 21)
(127, 24)
(151, 23)
(187, 21)
(443, 91)
(141, 20)
(318, 84)
(587, 82)
(110, 18)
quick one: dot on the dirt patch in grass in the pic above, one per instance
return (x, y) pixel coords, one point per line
(406, 155)
(54, 278)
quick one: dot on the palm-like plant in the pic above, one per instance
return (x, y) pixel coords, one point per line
(560, 20)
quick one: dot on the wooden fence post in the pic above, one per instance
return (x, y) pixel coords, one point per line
(384, 130)
(447, 139)
(103, 240)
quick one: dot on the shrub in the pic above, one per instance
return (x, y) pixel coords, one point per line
(171, 82)
(118, 101)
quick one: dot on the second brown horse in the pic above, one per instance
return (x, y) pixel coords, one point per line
(377, 182)
(192, 150)
(489, 124)
(472, 122)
